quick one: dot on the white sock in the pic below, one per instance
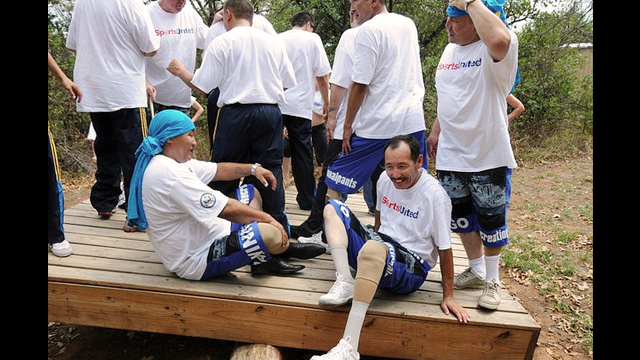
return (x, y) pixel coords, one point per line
(478, 266)
(354, 322)
(492, 265)
(341, 261)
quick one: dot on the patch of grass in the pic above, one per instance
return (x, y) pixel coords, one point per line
(555, 274)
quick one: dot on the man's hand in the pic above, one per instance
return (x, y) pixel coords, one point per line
(175, 67)
(346, 139)
(265, 176)
(448, 305)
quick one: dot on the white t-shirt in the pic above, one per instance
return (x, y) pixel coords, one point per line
(259, 22)
(248, 65)
(109, 38)
(472, 107)
(387, 59)
(182, 212)
(341, 76)
(309, 60)
(419, 218)
(180, 35)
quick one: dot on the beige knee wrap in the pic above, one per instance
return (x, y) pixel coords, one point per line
(371, 262)
(271, 237)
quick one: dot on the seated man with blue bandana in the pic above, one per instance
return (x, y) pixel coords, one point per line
(199, 233)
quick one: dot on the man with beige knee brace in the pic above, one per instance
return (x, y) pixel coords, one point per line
(412, 229)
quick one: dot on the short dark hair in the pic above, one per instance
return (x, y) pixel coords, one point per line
(301, 18)
(242, 9)
(413, 143)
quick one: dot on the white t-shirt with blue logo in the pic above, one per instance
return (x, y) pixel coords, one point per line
(472, 107)
(419, 218)
(181, 34)
(182, 212)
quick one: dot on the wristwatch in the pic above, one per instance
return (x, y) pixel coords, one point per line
(466, 4)
(253, 168)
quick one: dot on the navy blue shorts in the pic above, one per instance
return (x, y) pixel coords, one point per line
(243, 246)
(405, 271)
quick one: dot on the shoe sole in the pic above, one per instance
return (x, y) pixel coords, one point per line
(489, 306)
(105, 215)
(65, 254)
(470, 286)
(333, 305)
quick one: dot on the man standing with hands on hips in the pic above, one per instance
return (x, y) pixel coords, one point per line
(470, 138)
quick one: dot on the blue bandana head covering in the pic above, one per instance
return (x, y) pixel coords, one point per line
(496, 7)
(165, 125)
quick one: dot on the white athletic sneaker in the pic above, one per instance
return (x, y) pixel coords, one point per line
(61, 249)
(342, 351)
(315, 239)
(490, 298)
(467, 278)
(341, 293)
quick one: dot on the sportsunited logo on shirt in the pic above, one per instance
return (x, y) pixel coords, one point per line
(175, 31)
(399, 208)
(460, 65)
(207, 200)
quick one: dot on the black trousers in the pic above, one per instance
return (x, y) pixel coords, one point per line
(250, 133)
(118, 136)
(313, 223)
(299, 132)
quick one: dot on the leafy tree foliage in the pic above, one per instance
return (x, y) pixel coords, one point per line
(557, 98)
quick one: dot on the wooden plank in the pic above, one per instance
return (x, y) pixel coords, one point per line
(279, 325)
(114, 279)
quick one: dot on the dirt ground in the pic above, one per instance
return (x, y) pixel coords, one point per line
(547, 199)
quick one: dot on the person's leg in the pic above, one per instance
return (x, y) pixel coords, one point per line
(491, 192)
(212, 115)
(371, 264)
(56, 238)
(299, 132)
(319, 142)
(106, 190)
(286, 163)
(313, 223)
(129, 123)
(232, 124)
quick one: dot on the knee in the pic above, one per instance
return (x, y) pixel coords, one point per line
(270, 236)
(256, 202)
(371, 261)
(373, 254)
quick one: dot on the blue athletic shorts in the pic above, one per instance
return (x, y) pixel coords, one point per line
(243, 246)
(349, 172)
(405, 271)
(479, 202)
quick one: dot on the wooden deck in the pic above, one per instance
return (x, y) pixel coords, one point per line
(114, 280)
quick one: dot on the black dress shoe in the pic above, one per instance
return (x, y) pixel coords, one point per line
(303, 250)
(276, 265)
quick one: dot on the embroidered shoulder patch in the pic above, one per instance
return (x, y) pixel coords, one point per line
(207, 200)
